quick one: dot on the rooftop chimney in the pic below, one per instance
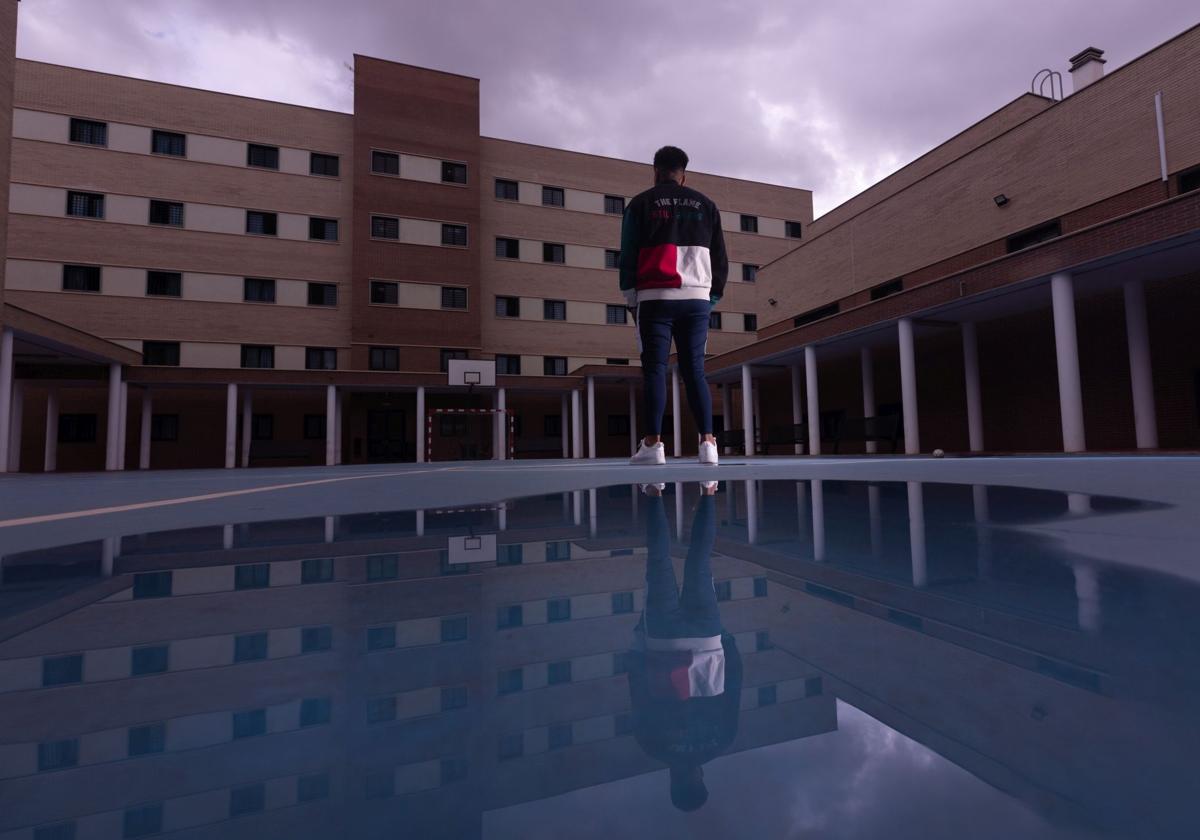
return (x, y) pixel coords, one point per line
(1086, 68)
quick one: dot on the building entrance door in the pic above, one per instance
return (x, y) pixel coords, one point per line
(387, 430)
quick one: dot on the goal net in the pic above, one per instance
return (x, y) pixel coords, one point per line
(468, 434)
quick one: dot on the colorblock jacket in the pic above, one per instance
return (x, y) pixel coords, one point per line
(672, 247)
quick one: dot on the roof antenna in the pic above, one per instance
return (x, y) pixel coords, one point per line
(1038, 85)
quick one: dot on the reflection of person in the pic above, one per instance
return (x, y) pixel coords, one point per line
(685, 672)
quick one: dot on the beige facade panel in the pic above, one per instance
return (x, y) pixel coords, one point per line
(294, 161)
(420, 232)
(35, 200)
(209, 355)
(218, 150)
(421, 168)
(40, 125)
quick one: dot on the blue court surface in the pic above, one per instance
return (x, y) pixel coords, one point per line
(853, 647)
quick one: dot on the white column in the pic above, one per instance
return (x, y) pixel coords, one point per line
(797, 405)
(50, 454)
(330, 528)
(908, 387)
(916, 533)
(818, 520)
(801, 509)
(16, 426)
(727, 409)
(337, 426)
(420, 435)
(758, 415)
(1087, 597)
(108, 555)
(676, 414)
(6, 383)
(1141, 376)
(1079, 504)
(875, 515)
(814, 404)
(420, 523)
(748, 409)
(593, 514)
(751, 512)
(230, 425)
(563, 424)
(123, 436)
(113, 420)
(577, 506)
(591, 426)
(144, 429)
(576, 425)
(501, 426)
(330, 431)
(247, 424)
(868, 391)
(1070, 391)
(974, 394)
(633, 421)
(983, 533)
(227, 537)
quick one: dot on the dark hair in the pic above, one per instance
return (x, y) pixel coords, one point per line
(670, 159)
(688, 791)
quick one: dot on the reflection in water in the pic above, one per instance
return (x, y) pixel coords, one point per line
(516, 671)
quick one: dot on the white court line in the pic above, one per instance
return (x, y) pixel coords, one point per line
(223, 494)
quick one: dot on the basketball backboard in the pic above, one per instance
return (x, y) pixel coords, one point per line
(475, 549)
(480, 372)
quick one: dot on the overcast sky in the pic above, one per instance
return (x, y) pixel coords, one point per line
(830, 95)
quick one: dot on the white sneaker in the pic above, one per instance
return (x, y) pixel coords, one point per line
(708, 452)
(709, 485)
(649, 454)
(652, 489)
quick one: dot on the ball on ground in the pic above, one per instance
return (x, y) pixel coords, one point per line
(937, 453)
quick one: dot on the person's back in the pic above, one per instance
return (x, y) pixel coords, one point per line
(673, 272)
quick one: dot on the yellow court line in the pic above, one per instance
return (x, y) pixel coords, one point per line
(78, 514)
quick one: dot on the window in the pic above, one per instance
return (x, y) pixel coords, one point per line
(793, 230)
(512, 554)
(447, 355)
(1189, 180)
(148, 660)
(89, 205)
(511, 746)
(312, 788)
(164, 353)
(508, 248)
(147, 739)
(816, 314)
(455, 235)
(323, 229)
(766, 695)
(749, 273)
(315, 711)
(554, 310)
(387, 163)
(454, 173)
(62, 670)
(554, 366)
(612, 259)
(382, 292)
(249, 799)
(381, 638)
(559, 550)
(507, 190)
(381, 710)
(453, 770)
(749, 224)
(315, 639)
(380, 784)
(81, 278)
(385, 358)
(558, 609)
(553, 252)
(760, 587)
(168, 143)
(1034, 236)
(262, 427)
(383, 567)
(714, 320)
(142, 820)
(510, 682)
(249, 724)
(385, 227)
(622, 602)
(618, 424)
(454, 297)
(889, 288)
(614, 204)
(265, 157)
(554, 197)
(166, 213)
(322, 294)
(76, 428)
(559, 735)
(250, 647)
(508, 307)
(258, 356)
(90, 132)
(617, 362)
(58, 755)
(552, 425)
(455, 629)
(508, 364)
(616, 314)
(724, 590)
(750, 322)
(319, 164)
(258, 289)
(252, 575)
(320, 358)
(152, 585)
(164, 427)
(164, 283)
(261, 223)
(511, 616)
(316, 570)
(454, 697)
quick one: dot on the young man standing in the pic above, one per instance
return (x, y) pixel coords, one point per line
(673, 272)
